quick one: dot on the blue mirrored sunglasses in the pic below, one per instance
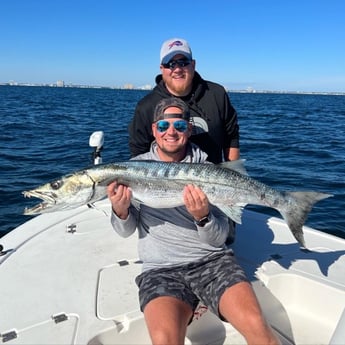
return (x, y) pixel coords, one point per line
(174, 63)
(179, 125)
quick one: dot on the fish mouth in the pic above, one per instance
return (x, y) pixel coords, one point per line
(48, 200)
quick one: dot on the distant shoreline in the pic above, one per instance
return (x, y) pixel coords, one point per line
(253, 91)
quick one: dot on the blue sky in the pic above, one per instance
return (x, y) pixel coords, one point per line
(263, 44)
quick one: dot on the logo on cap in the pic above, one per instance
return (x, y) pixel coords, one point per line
(175, 43)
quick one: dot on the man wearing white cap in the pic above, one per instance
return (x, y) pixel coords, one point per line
(215, 127)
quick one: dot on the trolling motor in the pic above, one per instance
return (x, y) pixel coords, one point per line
(96, 141)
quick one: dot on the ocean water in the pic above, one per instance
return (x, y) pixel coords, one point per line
(289, 141)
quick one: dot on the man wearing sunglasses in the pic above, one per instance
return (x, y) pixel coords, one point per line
(185, 258)
(215, 127)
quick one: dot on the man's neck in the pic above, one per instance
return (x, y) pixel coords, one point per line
(171, 157)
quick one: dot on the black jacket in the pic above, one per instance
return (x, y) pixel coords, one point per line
(214, 119)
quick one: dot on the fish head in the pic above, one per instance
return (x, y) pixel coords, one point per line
(67, 192)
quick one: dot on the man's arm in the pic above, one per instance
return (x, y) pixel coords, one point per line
(122, 219)
(232, 154)
(231, 149)
(215, 231)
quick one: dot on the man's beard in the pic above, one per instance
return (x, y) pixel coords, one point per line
(178, 89)
(170, 151)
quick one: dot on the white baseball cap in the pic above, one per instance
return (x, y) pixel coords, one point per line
(175, 46)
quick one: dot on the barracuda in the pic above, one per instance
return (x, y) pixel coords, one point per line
(160, 185)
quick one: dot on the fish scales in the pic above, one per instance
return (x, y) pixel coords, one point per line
(160, 184)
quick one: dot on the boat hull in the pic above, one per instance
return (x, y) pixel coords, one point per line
(68, 278)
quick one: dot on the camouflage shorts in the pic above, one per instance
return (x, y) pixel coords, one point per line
(201, 281)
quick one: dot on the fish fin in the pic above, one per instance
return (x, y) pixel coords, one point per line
(297, 212)
(233, 212)
(237, 165)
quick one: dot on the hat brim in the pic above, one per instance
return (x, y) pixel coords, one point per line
(168, 57)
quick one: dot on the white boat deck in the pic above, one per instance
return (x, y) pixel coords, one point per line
(68, 278)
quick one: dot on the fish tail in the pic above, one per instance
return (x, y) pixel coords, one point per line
(297, 210)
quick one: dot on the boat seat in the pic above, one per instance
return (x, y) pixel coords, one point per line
(303, 304)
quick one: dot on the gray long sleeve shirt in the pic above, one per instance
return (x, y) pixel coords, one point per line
(169, 236)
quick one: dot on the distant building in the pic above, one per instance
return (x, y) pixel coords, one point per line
(128, 86)
(60, 83)
(146, 87)
(251, 89)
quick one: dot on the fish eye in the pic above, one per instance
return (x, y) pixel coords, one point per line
(56, 184)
